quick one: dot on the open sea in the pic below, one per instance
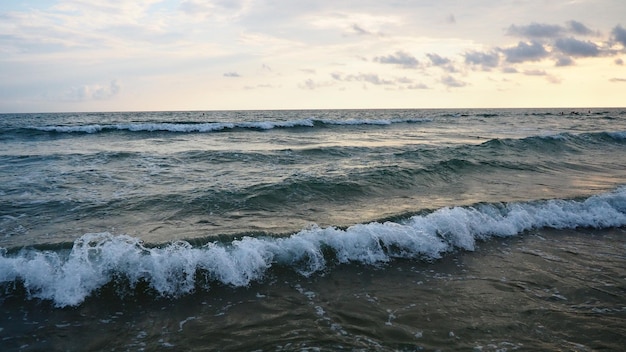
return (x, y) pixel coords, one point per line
(314, 230)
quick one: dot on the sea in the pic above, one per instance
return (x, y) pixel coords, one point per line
(314, 230)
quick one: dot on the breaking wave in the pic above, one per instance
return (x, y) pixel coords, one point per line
(68, 277)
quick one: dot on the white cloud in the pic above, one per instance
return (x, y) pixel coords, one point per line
(90, 92)
(149, 45)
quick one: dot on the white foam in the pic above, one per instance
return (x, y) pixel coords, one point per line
(72, 129)
(172, 270)
(219, 126)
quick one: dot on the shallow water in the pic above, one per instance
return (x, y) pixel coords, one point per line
(544, 290)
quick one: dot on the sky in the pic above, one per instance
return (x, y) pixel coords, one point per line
(152, 55)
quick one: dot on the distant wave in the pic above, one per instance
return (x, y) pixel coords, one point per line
(220, 126)
(179, 268)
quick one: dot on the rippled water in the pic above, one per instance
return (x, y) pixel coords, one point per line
(296, 230)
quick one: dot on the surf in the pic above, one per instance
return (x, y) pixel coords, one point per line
(68, 277)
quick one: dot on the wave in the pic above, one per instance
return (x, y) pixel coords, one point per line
(195, 127)
(563, 140)
(67, 278)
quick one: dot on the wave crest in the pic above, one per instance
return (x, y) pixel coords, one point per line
(173, 269)
(220, 126)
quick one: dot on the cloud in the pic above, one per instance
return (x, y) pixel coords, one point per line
(575, 47)
(509, 69)
(542, 30)
(618, 80)
(564, 61)
(533, 51)
(260, 86)
(360, 30)
(450, 19)
(542, 73)
(400, 58)
(619, 61)
(535, 30)
(219, 10)
(452, 82)
(437, 60)
(579, 28)
(417, 86)
(535, 72)
(486, 60)
(363, 24)
(92, 92)
(232, 74)
(362, 77)
(372, 78)
(310, 84)
(618, 34)
(443, 62)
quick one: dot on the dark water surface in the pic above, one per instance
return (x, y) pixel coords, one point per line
(544, 290)
(492, 230)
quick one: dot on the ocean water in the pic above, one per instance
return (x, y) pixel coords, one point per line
(495, 229)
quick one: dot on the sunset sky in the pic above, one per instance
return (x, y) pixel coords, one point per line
(81, 55)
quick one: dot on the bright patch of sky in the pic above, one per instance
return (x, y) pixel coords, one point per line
(87, 55)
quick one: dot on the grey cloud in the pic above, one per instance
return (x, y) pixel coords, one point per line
(360, 30)
(312, 85)
(618, 80)
(363, 77)
(575, 47)
(541, 30)
(542, 73)
(417, 86)
(509, 70)
(438, 60)
(579, 28)
(308, 84)
(231, 74)
(450, 81)
(535, 73)
(410, 84)
(371, 78)
(259, 86)
(442, 62)
(564, 61)
(368, 78)
(535, 30)
(619, 35)
(525, 52)
(486, 60)
(450, 19)
(619, 61)
(399, 58)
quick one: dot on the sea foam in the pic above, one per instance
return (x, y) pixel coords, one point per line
(220, 126)
(171, 270)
